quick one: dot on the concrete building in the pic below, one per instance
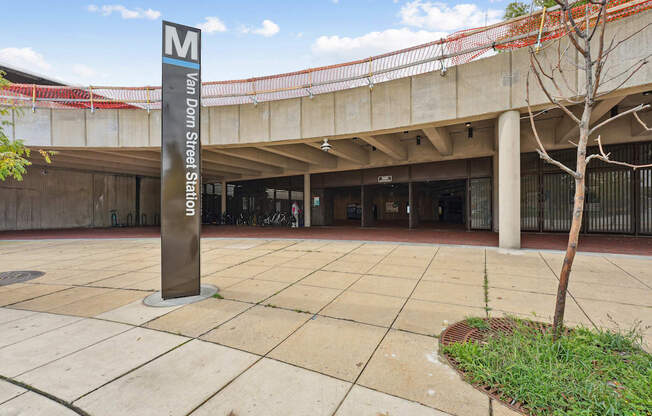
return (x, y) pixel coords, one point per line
(444, 149)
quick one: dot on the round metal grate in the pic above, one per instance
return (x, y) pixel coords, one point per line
(463, 332)
(18, 276)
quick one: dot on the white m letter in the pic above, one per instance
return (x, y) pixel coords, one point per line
(190, 42)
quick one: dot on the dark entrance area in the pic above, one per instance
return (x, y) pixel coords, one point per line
(442, 204)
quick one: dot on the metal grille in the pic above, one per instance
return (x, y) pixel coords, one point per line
(608, 207)
(530, 202)
(645, 201)
(558, 192)
(480, 193)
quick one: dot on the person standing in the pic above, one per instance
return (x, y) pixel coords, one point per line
(295, 214)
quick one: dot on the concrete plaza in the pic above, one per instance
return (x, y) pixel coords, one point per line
(304, 327)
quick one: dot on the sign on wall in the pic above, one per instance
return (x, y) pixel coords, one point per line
(180, 161)
(385, 179)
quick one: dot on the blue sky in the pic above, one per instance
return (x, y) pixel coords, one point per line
(118, 42)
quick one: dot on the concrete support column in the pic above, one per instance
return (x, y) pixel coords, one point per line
(223, 197)
(412, 217)
(307, 206)
(509, 180)
(364, 218)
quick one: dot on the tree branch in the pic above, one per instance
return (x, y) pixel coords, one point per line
(624, 113)
(605, 158)
(641, 122)
(542, 150)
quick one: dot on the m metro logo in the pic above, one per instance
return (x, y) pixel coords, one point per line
(180, 45)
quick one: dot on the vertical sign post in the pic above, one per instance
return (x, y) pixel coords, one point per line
(180, 161)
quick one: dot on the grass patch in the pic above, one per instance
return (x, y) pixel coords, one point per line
(218, 296)
(585, 373)
(477, 323)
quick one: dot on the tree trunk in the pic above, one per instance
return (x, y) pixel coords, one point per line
(573, 240)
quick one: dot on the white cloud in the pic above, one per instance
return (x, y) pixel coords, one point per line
(211, 25)
(25, 58)
(125, 13)
(340, 48)
(267, 29)
(83, 71)
(442, 17)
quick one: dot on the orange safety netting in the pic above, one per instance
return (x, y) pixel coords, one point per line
(458, 48)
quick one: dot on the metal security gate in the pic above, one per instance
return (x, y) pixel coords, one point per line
(480, 195)
(618, 199)
(609, 202)
(558, 193)
(645, 201)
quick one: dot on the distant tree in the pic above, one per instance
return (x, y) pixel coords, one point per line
(517, 8)
(13, 153)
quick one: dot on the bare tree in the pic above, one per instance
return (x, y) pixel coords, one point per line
(593, 53)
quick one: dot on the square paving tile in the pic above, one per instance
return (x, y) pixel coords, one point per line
(9, 391)
(95, 305)
(397, 270)
(21, 329)
(368, 308)
(197, 318)
(81, 372)
(533, 305)
(390, 286)
(362, 401)
(243, 271)
(349, 267)
(445, 274)
(284, 274)
(430, 318)
(538, 272)
(334, 280)
(257, 330)
(7, 314)
(198, 369)
(86, 277)
(628, 295)
(330, 346)
(134, 280)
(252, 290)
(408, 365)
(33, 404)
(64, 297)
(271, 388)
(36, 351)
(135, 313)
(613, 315)
(523, 283)
(303, 298)
(219, 281)
(25, 292)
(457, 294)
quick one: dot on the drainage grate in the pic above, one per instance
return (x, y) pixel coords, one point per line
(463, 332)
(18, 276)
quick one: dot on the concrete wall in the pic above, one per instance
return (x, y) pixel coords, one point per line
(58, 198)
(477, 90)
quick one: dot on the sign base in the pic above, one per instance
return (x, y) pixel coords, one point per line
(156, 300)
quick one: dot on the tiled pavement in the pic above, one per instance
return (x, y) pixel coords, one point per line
(306, 327)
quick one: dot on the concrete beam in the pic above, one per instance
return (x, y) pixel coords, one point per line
(238, 162)
(569, 130)
(389, 145)
(303, 153)
(88, 157)
(439, 138)
(89, 165)
(209, 164)
(257, 155)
